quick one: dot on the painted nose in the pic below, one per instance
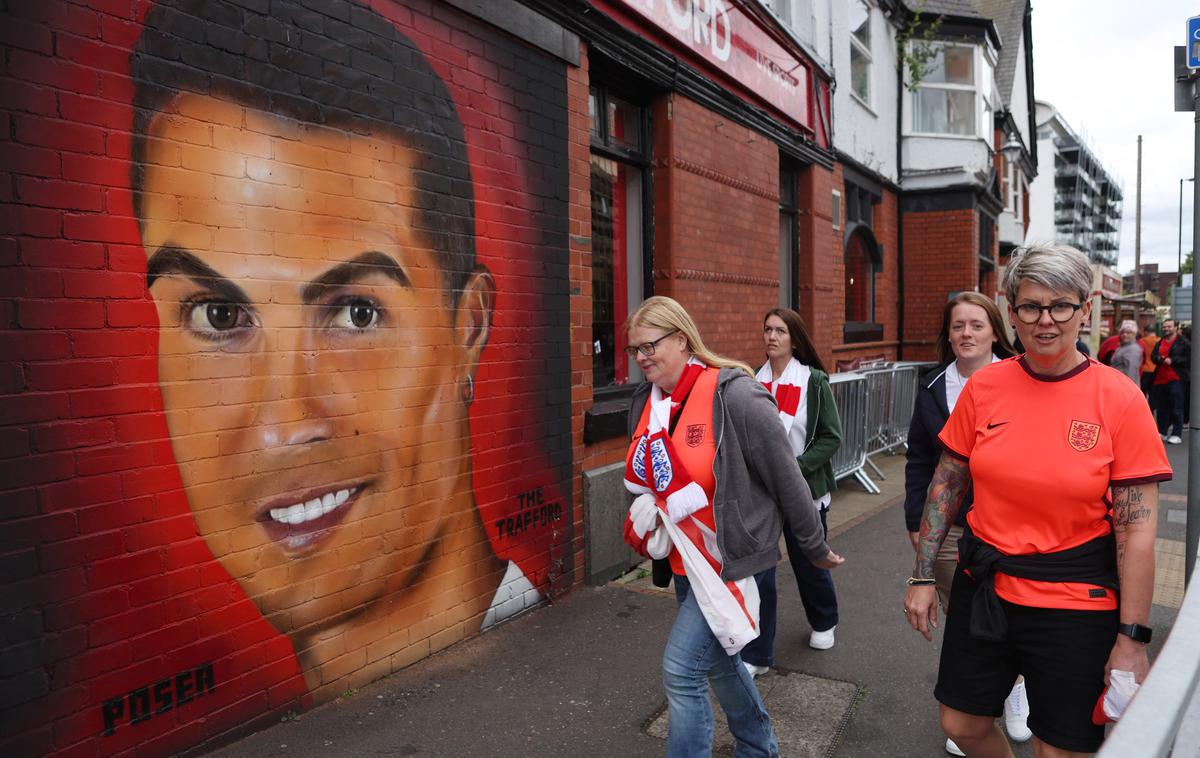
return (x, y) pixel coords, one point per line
(294, 398)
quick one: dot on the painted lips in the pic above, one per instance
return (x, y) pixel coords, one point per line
(298, 527)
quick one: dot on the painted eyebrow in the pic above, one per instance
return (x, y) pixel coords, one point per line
(359, 267)
(169, 259)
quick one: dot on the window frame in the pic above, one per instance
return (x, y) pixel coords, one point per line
(863, 49)
(789, 249)
(860, 203)
(975, 88)
(600, 145)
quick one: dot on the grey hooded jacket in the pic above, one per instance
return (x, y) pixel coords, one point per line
(758, 479)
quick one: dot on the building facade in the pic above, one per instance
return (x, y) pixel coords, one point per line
(1075, 198)
(313, 348)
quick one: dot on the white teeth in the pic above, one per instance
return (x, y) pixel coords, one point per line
(313, 509)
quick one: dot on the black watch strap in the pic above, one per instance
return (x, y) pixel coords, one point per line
(1136, 632)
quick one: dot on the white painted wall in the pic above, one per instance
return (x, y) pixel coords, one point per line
(941, 160)
(1041, 190)
(865, 131)
(1020, 96)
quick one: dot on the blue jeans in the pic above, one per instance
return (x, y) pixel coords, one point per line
(694, 659)
(817, 595)
(1168, 407)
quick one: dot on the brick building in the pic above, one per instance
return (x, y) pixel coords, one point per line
(313, 352)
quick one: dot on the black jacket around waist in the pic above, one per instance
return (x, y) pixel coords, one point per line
(929, 416)
(1093, 562)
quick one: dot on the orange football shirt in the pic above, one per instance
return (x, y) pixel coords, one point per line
(1043, 452)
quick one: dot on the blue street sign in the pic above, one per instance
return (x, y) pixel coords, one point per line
(1193, 42)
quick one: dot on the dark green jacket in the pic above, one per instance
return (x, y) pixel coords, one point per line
(823, 437)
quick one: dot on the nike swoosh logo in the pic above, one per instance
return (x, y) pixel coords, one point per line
(999, 423)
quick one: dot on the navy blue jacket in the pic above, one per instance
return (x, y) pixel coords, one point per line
(924, 449)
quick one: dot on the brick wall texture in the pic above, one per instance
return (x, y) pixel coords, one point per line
(296, 343)
(297, 414)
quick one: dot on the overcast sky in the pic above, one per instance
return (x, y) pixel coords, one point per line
(1106, 65)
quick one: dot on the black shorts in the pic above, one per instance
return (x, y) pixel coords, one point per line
(1061, 653)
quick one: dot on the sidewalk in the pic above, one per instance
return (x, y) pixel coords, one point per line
(581, 677)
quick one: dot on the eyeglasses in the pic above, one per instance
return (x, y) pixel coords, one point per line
(1031, 313)
(647, 348)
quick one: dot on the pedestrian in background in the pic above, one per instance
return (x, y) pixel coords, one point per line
(1148, 340)
(1128, 356)
(1048, 585)
(796, 377)
(972, 337)
(708, 445)
(1172, 357)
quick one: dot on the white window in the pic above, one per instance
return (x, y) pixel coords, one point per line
(945, 102)
(860, 50)
(1016, 186)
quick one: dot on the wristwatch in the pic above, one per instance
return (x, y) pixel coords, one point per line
(1136, 632)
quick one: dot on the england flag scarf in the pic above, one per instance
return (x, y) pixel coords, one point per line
(654, 466)
(789, 391)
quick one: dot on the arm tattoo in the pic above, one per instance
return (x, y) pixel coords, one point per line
(950, 481)
(1129, 510)
(1120, 517)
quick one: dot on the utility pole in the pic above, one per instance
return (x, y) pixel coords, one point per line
(1137, 228)
(1187, 98)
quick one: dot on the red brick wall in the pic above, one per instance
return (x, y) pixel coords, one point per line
(139, 481)
(822, 266)
(940, 258)
(718, 184)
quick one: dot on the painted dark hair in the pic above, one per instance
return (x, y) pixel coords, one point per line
(1002, 348)
(358, 73)
(802, 346)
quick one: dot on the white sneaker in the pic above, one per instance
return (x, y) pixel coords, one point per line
(822, 640)
(1163, 436)
(1174, 439)
(754, 671)
(1016, 712)
(953, 749)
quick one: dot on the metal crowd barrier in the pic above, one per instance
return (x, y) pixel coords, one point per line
(876, 406)
(850, 393)
(1164, 717)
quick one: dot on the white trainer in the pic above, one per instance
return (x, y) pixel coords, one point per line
(1174, 439)
(822, 640)
(953, 749)
(1016, 713)
(754, 671)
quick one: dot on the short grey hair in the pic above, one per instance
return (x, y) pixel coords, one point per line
(1127, 326)
(1056, 266)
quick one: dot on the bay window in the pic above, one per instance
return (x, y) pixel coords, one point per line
(945, 101)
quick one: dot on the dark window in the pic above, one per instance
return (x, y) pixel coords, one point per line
(788, 247)
(619, 160)
(863, 260)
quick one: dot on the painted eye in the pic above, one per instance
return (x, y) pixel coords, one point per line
(360, 314)
(216, 316)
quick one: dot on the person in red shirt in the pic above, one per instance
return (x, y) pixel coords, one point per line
(1172, 357)
(1055, 578)
(1107, 348)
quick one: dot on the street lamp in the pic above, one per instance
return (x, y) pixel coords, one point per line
(1179, 250)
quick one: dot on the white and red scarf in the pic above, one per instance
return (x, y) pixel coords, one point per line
(789, 394)
(654, 466)
(729, 608)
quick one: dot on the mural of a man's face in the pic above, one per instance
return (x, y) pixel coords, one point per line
(314, 369)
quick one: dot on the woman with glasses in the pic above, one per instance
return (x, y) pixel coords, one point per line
(796, 377)
(708, 451)
(1054, 579)
(972, 337)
